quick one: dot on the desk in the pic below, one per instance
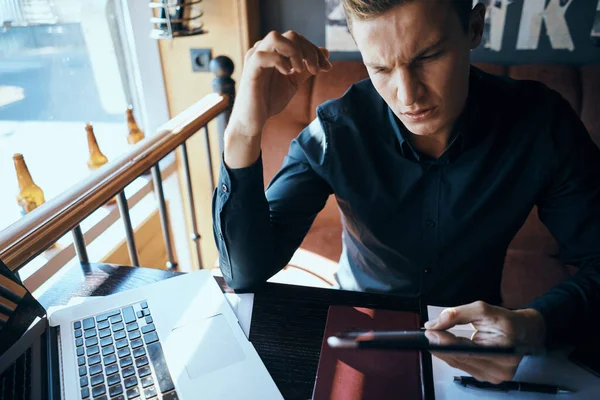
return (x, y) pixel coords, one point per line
(287, 321)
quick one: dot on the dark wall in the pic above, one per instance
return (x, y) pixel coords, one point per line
(308, 17)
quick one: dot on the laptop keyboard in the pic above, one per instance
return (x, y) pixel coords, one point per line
(119, 356)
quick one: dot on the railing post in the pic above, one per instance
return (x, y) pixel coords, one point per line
(222, 67)
(164, 215)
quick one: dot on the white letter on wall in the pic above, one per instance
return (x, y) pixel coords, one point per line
(496, 18)
(530, 28)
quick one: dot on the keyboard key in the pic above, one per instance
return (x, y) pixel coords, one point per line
(108, 351)
(140, 362)
(133, 393)
(144, 371)
(88, 323)
(80, 361)
(103, 324)
(78, 333)
(144, 304)
(107, 315)
(121, 343)
(97, 379)
(118, 327)
(135, 335)
(124, 352)
(77, 325)
(127, 372)
(139, 352)
(115, 319)
(133, 326)
(150, 392)
(130, 382)
(121, 397)
(146, 312)
(170, 396)
(80, 351)
(93, 351)
(94, 359)
(125, 362)
(96, 369)
(104, 333)
(120, 335)
(91, 342)
(113, 379)
(110, 359)
(136, 343)
(101, 398)
(82, 371)
(90, 333)
(148, 328)
(111, 369)
(79, 342)
(149, 319)
(83, 381)
(106, 341)
(128, 314)
(115, 390)
(147, 381)
(98, 390)
(85, 393)
(140, 314)
(159, 363)
(150, 337)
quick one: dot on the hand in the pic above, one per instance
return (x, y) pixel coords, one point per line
(273, 71)
(490, 368)
(525, 326)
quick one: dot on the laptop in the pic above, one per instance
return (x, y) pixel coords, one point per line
(174, 339)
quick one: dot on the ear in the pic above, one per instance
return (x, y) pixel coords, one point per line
(476, 25)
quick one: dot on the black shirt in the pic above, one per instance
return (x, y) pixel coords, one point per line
(415, 225)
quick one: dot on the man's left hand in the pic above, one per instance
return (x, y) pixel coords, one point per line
(524, 326)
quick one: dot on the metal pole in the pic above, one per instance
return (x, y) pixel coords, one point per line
(188, 183)
(124, 210)
(209, 159)
(164, 217)
(79, 243)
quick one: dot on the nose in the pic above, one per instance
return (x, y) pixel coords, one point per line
(408, 87)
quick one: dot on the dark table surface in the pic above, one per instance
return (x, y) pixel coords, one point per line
(287, 321)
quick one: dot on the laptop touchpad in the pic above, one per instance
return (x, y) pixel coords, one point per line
(206, 346)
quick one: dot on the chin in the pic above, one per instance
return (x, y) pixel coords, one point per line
(422, 129)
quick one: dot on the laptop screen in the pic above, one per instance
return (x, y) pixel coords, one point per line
(18, 309)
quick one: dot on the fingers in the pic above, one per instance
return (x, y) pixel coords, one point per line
(302, 54)
(278, 43)
(468, 314)
(269, 59)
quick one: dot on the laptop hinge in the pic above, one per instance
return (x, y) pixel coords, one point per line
(52, 383)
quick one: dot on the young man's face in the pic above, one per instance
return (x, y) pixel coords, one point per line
(418, 55)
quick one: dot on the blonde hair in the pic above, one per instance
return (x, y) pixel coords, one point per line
(368, 9)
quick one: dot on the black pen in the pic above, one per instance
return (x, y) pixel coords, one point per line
(470, 382)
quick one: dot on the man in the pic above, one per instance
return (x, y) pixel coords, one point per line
(435, 166)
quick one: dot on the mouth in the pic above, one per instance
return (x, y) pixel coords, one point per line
(420, 115)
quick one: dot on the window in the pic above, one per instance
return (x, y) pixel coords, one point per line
(64, 63)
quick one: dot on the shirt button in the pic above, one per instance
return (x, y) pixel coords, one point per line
(429, 223)
(426, 271)
(224, 188)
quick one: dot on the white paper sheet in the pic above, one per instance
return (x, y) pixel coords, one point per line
(554, 369)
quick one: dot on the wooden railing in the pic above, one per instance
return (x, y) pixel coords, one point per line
(41, 228)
